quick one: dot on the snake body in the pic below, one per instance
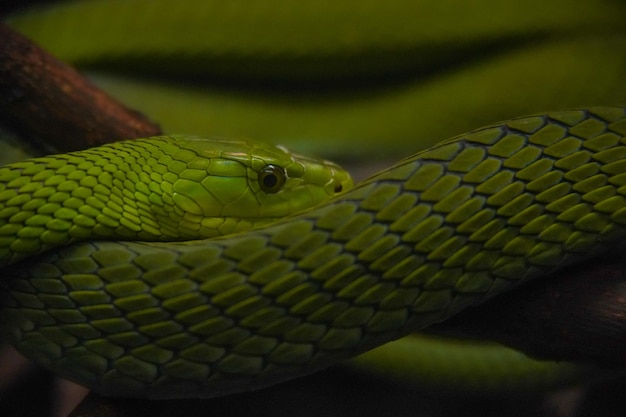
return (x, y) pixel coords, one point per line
(444, 229)
(292, 40)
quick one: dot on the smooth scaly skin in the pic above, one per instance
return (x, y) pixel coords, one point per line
(444, 229)
(157, 189)
(302, 40)
(431, 363)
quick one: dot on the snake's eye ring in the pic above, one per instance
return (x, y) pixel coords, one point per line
(272, 178)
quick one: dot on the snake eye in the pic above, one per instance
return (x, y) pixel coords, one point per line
(272, 178)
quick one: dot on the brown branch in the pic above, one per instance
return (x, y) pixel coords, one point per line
(576, 314)
(42, 96)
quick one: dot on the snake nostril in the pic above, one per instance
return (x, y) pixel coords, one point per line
(338, 187)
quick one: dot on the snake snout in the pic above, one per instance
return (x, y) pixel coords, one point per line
(341, 181)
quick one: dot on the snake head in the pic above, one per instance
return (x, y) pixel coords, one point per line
(231, 185)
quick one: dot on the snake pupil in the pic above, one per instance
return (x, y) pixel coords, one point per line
(272, 178)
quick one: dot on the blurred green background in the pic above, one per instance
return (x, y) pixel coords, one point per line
(352, 80)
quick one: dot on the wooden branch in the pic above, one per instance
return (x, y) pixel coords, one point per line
(576, 314)
(42, 96)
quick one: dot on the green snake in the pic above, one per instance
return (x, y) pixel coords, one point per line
(447, 228)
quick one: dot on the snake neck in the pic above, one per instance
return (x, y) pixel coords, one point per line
(125, 190)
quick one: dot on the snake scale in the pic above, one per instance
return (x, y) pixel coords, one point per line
(447, 228)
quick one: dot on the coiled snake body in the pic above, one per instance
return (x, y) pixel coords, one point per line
(444, 229)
